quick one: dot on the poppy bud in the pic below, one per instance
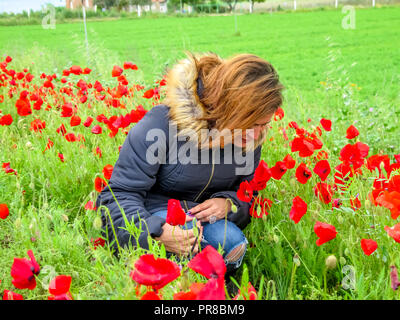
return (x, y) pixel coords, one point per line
(28, 145)
(276, 238)
(331, 262)
(97, 223)
(342, 260)
(347, 252)
(234, 208)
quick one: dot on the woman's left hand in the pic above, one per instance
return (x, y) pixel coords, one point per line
(216, 207)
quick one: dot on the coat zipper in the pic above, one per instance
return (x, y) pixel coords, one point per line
(208, 183)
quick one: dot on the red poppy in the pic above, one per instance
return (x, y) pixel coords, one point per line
(61, 156)
(77, 70)
(6, 120)
(99, 184)
(391, 201)
(322, 169)
(71, 137)
(336, 203)
(7, 168)
(368, 246)
(259, 207)
(377, 161)
(23, 272)
(75, 121)
(195, 288)
(208, 263)
(130, 65)
(251, 293)
(355, 203)
(67, 110)
(394, 232)
(175, 214)
(153, 272)
(38, 125)
(88, 122)
(116, 71)
(326, 124)
(245, 192)
(149, 94)
(49, 145)
(325, 232)
(324, 192)
(289, 162)
(23, 107)
(97, 129)
(304, 146)
(61, 129)
(90, 205)
(352, 132)
(303, 174)
(9, 295)
(299, 209)
(4, 211)
(59, 288)
(150, 295)
(213, 290)
(397, 157)
(98, 242)
(354, 154)
(262, 174)
(279, 114)
(278, 170)
(107, 171)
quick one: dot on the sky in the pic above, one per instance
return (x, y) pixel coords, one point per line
(17, 6)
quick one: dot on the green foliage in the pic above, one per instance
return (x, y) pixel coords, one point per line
(324, 77)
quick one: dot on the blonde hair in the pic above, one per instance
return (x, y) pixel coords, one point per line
(236, 92)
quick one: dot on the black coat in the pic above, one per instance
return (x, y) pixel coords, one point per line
(143, 188)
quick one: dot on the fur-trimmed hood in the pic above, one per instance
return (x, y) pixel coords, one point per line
(183, 88)
(182, 97)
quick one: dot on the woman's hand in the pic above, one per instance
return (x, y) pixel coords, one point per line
(217, 207)
(180, 241)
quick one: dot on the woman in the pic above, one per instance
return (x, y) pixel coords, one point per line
(206, 97)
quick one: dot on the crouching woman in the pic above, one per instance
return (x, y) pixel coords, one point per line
(211, 106)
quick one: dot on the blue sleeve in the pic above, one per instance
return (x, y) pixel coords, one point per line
(132, 178)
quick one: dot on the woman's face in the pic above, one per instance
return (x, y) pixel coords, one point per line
(254, 133)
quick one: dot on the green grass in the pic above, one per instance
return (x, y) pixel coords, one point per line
(360, 68)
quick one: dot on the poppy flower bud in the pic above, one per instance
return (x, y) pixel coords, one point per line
(342, 260)
(347, 252)
(276, 238)
(97, 223)
(234, 208)
(331, 262)
(28, 145)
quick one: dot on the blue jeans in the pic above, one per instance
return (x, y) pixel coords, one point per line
(214, 235)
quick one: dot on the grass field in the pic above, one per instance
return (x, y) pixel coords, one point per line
(350, 76)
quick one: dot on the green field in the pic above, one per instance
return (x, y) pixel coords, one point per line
(348, 75)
